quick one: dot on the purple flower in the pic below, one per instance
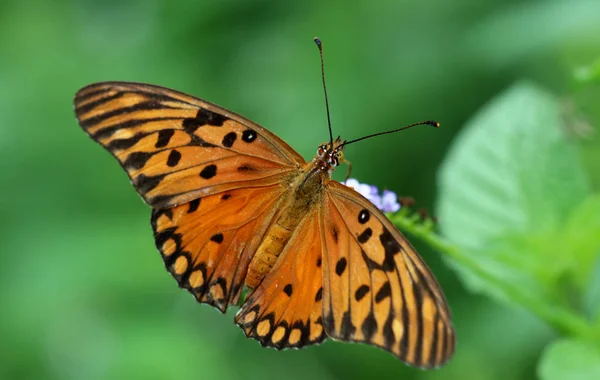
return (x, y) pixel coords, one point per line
(389, 201)
(386, 202)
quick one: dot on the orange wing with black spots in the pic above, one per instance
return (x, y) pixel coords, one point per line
(376, 289)
(234, 202)
(285, 310)
(208, 243)
(177, 148)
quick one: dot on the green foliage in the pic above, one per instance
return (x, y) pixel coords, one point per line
(570, 359)
(509, 184)
(586, 75)
(582, 240)
(521, 224)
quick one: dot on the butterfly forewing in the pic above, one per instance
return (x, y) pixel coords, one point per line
(376, 289)
(177, 148)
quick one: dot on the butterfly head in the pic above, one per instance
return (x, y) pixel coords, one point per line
(329, 156)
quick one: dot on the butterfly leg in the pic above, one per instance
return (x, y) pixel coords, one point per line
(349, 169)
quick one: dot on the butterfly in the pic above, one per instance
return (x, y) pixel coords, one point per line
(235, 207)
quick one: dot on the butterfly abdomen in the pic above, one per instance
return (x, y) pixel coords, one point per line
(267, 254)
(307, 187)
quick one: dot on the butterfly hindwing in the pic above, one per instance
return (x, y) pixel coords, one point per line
(285, 310)
(176, 148)
(207, 244)
(376, 289)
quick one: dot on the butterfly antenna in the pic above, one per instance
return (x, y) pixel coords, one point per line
(426, 122)
(320, 46)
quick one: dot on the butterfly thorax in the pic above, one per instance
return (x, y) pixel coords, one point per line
(306, 187)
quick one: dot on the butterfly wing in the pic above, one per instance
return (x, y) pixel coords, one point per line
(207, 244)
(176, 148)
(285, 309)
(376, 289)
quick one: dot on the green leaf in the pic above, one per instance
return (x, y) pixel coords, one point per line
(582, 239)
(570, 359)
(506, 189)
(588, 74)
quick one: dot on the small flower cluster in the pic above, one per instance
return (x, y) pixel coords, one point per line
(386, 201)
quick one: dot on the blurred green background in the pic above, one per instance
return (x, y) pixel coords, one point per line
(84, 294)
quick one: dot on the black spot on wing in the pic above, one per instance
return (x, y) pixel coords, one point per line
(164, 136)
(217, 238)
(361, 292)
(288, 290)
(193, 205)
(340, 267)
(174, 158)
(363, 216)
(249, 135)
(209, 171)
(319, 295)
(229, 139)
(365, 235)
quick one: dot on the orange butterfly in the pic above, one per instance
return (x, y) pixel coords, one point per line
(234, 206)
